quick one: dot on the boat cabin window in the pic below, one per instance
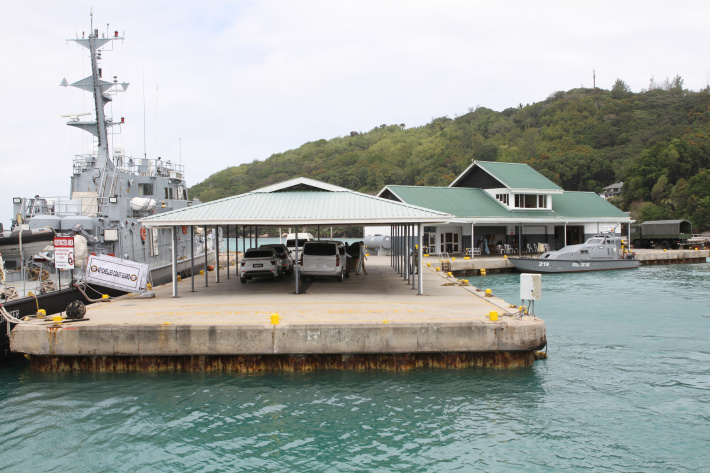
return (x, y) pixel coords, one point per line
(145, 189)
(595, 241)
(169, 193)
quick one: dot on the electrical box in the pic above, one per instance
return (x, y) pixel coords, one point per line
(530, 286)
(110, 234)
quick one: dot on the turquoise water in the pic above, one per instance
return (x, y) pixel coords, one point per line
(626, 388)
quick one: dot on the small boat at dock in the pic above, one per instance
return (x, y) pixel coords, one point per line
(600, 253)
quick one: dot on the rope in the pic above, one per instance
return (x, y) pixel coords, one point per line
(87, 297)
(8, 317)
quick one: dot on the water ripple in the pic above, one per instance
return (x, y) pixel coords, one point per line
(626, 388)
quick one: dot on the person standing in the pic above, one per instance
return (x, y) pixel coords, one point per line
(363, 257)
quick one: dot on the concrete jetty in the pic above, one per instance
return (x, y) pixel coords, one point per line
(373, 321)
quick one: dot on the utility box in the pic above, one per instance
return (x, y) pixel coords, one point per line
(530, 286)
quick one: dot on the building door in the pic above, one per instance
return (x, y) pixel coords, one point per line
(450, 243)
(432, 243)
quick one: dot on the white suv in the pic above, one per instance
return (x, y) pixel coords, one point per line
(260, 263)
(323, 258)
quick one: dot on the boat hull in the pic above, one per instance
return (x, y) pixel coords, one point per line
(539, 265)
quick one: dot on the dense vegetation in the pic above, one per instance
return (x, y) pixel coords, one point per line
(657, 142)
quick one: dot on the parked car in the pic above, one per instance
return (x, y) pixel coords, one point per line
(323, 258)
(259, 263)
(284, 254)
(291, 242)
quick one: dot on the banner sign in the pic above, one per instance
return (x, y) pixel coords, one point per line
(64, 252)
(117, 273)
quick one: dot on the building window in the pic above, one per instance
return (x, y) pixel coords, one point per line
(530, 201)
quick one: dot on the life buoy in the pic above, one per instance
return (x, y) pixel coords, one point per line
(184, 229)
(144, 233)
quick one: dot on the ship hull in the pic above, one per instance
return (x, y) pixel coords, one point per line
(539, 265)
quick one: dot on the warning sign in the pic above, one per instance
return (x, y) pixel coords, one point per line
(64, 252)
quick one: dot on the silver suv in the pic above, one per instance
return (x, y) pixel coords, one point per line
(284, 254)
(323, 258)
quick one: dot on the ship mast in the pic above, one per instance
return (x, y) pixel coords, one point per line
(100, 88)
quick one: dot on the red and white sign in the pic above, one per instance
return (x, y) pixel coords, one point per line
(64, 252)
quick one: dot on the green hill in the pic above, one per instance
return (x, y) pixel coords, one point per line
(657, 142)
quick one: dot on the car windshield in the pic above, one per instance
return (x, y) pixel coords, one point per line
(258, 254)
(319, 249)
(291, 243)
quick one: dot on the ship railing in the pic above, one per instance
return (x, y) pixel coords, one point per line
(61, 206)
(136, 166)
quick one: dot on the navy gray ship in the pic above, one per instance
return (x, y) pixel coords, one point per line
(109, 192)
(599, 253)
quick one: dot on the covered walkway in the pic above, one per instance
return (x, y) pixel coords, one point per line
(305, 202)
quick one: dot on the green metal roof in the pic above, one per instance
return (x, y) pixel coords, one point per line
(515, 176)
(476, 204)
(305, 207)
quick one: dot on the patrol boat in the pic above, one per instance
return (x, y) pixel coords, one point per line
(599, 253)
(109, 193)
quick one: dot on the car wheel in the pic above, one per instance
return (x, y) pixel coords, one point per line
(637, 244)
(243, 280)
(340, 278)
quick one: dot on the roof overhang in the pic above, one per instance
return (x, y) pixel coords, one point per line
(299, 207)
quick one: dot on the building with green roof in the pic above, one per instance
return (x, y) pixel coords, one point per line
(508, 204)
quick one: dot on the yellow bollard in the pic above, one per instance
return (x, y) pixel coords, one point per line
(57, 319)
(489, 293)
(466, 257)
(41, 313)
(438, 268)
(483, 272)
(453, 258)
(179, 278)
(505, 256)
(428, 265)
(104, 296)
(202, 271)
(149, 286)
(275, 318)
(493, 315)
(449, 274)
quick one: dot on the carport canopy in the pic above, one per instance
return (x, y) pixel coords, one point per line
(298, 202)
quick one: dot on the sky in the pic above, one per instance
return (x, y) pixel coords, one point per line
(215, 84)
